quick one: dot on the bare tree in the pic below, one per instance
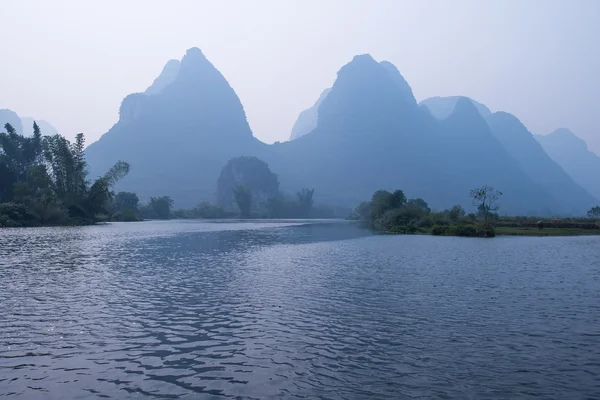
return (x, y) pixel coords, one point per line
(484, 198)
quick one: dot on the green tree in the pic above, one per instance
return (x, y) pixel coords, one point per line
(48, 176)
(126, 201)
(363, 211)
(305, 201)
(419, 206)
(250, 172)
(276, 207)
(485, 198)
(161, 207)
(455, 213)
(243, 198)
(594, 212)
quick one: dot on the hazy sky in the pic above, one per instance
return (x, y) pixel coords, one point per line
(72, 62)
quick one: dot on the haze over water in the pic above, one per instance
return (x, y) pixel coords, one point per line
(294, 310)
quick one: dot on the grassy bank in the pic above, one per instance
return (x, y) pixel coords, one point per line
(526, 231)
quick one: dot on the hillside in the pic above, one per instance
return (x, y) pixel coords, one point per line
(573, 155)
(179, 134)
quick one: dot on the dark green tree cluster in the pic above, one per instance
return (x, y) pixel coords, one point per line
(158, 208)
(594, 212)
(393, 212)
(125, 207)
(246, 179)
(299, 206)
(45, 181)
(204, 210)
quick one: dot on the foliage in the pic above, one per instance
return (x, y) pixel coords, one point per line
(383, 201)
(305, 201)
(203, 210)
(125, 207)
(47, 176)
(594, 212)
(393, 212)
(158, 208)
(455, 213)
(485, 198)
(126, 201)
(243, 198)
(250, 172)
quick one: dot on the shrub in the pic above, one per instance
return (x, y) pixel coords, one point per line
(439, 230)
(463, 230)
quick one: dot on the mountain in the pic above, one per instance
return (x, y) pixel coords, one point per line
(178, 135)
(521, 144)
(365, 117)
(442, 107)
(10, 117)
(167, 75)
(24, 125)
(45, 127)
(371, 134)
(307, 120)
(531, 157)
(573, 155)
(366, 133)
(475, 157)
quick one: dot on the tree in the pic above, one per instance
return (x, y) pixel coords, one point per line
(363, 210)
(456, 212)
(382, 201)
(243, 198)
(594, 212)
(250, 172)
(126, 201)
(161, 207)
(399, 199)
(305, 201)
(484, 198)
(418, 206)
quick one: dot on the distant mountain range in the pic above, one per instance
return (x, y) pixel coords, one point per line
(24, 125)
(529, 154)
(367, 132)
(573, 155)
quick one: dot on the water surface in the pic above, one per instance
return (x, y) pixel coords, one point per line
(272, 310)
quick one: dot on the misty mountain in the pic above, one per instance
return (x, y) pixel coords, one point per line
(531, 157)
(178, 135)
(442, 107)
(167, 75)
(573, 155)
(307, 120)
(369, 134)
(24, 125)
(10, 117)
(475, 155)
(521, 144)
(45, 126)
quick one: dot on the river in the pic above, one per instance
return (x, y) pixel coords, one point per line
(284, 309)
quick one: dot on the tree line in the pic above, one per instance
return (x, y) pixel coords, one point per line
(393, 212)
(45, 181)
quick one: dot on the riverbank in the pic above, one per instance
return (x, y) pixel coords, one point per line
(504, 227)
(516, 231)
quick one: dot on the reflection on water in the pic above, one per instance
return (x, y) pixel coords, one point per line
(283, 310)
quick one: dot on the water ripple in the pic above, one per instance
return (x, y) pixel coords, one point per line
(288, 310)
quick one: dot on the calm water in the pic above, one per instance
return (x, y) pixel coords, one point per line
(271, 310)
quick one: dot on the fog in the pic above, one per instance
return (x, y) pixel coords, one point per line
(72, 62)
